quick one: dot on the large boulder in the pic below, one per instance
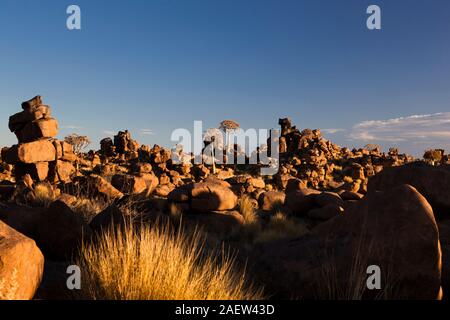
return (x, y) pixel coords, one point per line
(19, 120)
(32, 103)
(64, 170)
(129, 184)
(31, 152)
(112, 216)
(38, 171)
(21, 265)
(301, 201)
(38, 129)
(212, 196)
(218, 225)
(432, 182)
(57, 230)
(271, 200)
(102, 188)
(394, 230)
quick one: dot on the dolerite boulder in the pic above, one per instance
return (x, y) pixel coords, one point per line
(271, 200)
(31, 152)
(432, 182)
(38, 129)
(38, 153)
(57, 230)
(102, 188)
(110, 217)
(21, 265)
(129, 183)
(394, 230)
(301, 201)
(212, 196)
(207, 196)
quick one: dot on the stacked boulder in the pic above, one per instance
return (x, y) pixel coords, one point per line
(321, 164)
(38, 153)
(122, 147)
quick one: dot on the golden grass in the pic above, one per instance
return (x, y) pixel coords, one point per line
(247, 210)
(281, 227)
(157, 263)
(44, 194)
(88, 208)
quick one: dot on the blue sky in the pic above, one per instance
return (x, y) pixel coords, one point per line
(151, 66)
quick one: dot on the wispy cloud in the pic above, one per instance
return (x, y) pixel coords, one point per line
(72, 127)
(332, 130)
(147, 132)
(108, 132)
(428, 127)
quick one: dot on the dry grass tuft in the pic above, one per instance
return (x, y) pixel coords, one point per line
(156, 263)
(281, 227)
(88, 208)
(44, 194)
(247, 210)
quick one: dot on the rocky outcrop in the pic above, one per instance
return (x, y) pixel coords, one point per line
(394, 230)
(38, 153)
(433, 182)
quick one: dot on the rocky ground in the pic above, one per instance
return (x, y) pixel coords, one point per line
(309, 232)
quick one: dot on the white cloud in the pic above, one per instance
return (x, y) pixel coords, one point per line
(109, 132)
(332, 131)
(433, 128)
(72, 127)
(147, 132)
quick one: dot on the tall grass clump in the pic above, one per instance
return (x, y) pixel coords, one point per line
(248, 211)
(43, 194)
(158, 263)
(88, 208)
(281, 227)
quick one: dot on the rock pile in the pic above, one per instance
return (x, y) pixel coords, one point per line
(321, 164)
(38, 153)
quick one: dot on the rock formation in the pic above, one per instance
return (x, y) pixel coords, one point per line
(38, 153)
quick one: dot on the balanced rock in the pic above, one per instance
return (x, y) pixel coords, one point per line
(31, 152)
(38, 129)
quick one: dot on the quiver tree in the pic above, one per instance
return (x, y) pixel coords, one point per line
(79, 143)
(213, 140)
(229, 126)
